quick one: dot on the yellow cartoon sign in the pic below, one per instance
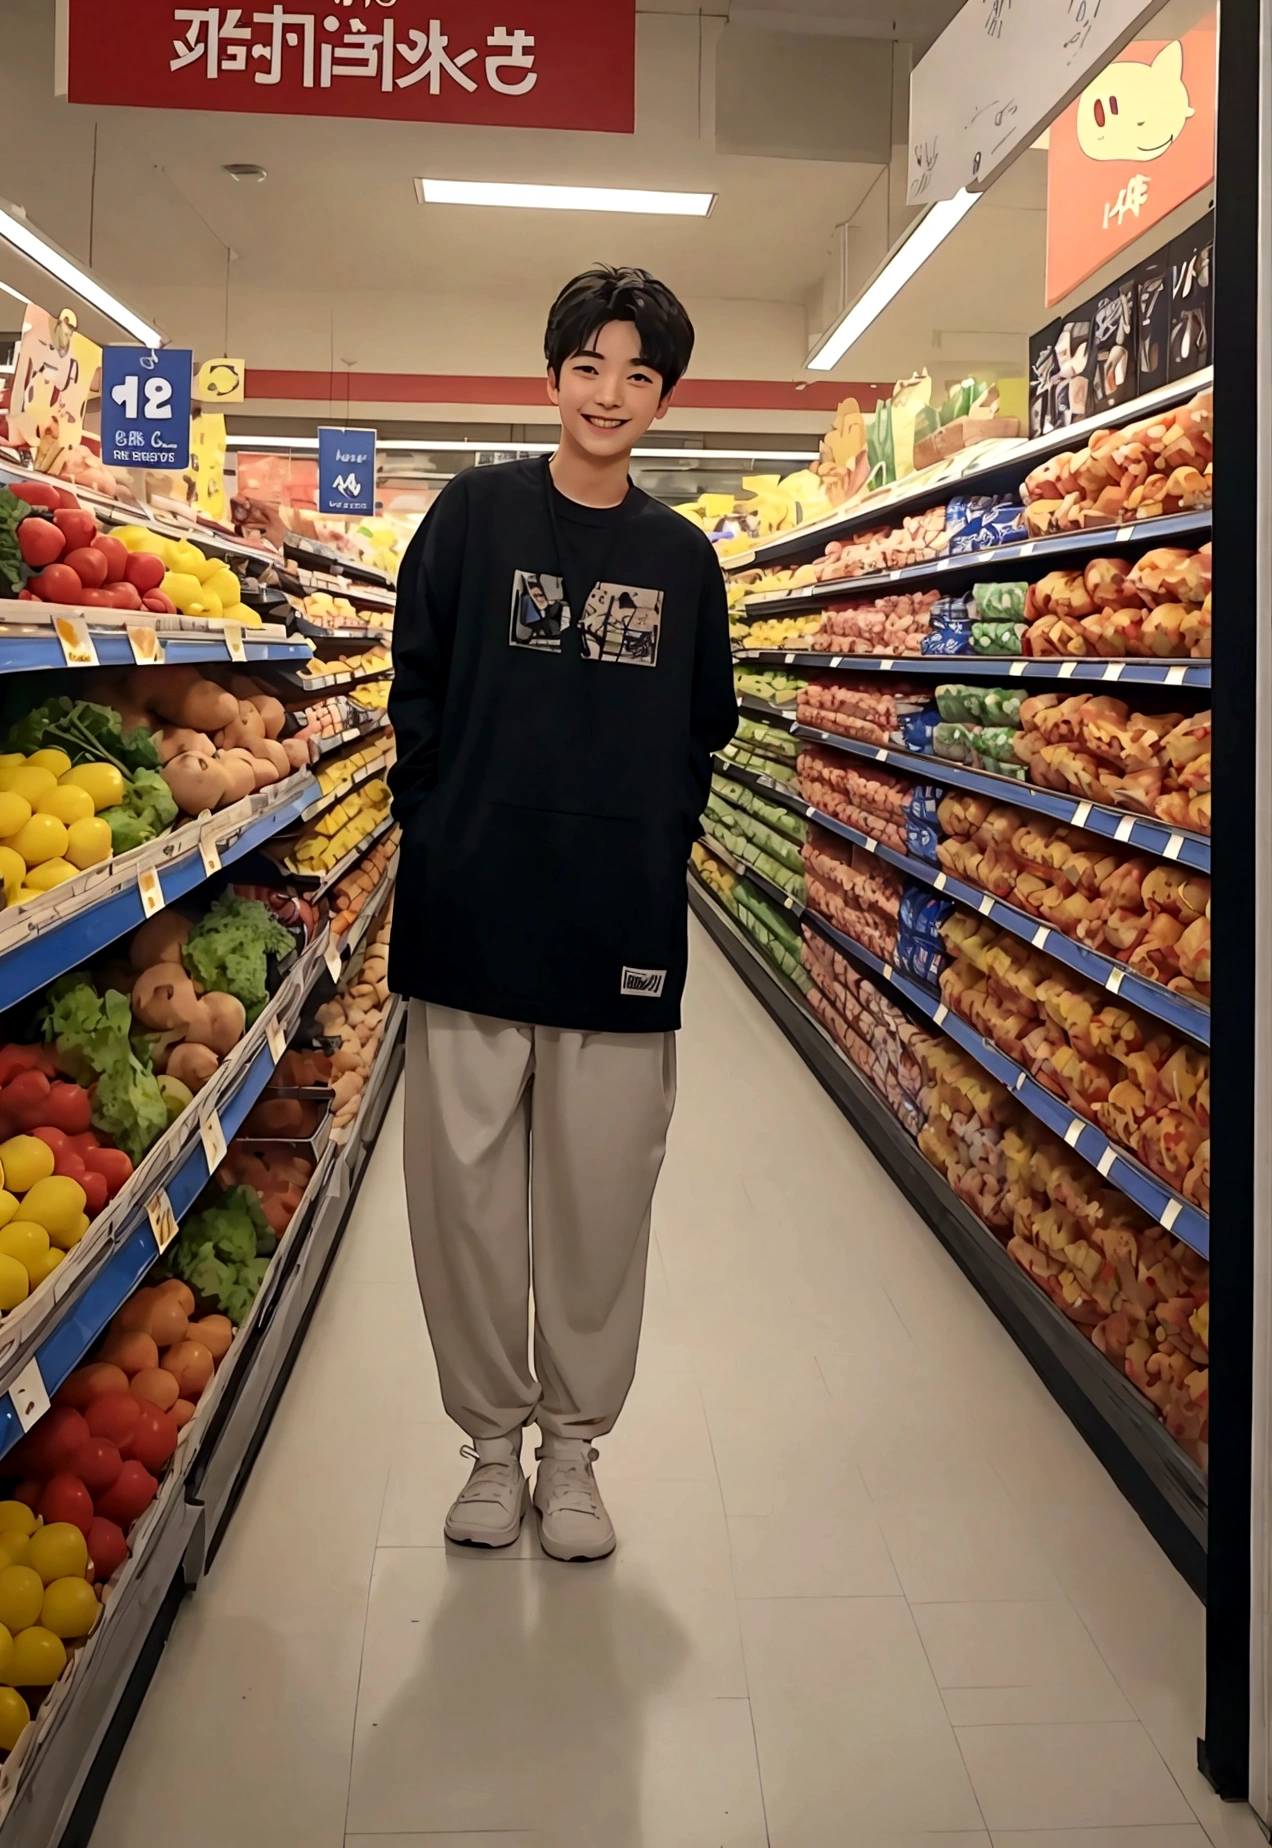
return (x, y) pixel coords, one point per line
(1133, 110)
(221, 381)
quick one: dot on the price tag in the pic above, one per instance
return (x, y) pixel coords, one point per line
(1073, 1132)
(1173, 1209)
(939, 882)
(163, 1221)
(893, 576)
(836, 660)
(887, 972)
(1016, 669)
(147, 649)
(1172, 848)
(1124, 829)
(276, 1039)
(1020, 1080)
(1066, 670)
(1026, 550)
(150, 891)
(809, 813)
(77, 643)
(1040, 937)
(334, 962)
(1114, 980)
(29, 1395)
(940, 1014)
(210, 854)
(1081, 814)
(886, 666)
(986, 905)
(788, 903)
(790, 660)
(1106, 1161)
(881, 757)
(1123, 533)
(943, 564)
(234, 641)
(872, 846)
(1175, 675)
(214, 1147)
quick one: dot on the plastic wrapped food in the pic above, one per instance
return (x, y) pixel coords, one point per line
(997, 638)
(1000, 602)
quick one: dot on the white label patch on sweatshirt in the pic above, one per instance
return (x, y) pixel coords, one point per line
(647, 982)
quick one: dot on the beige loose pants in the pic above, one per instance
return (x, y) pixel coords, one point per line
(533, 1147)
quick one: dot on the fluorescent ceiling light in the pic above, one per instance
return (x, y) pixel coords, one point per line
(16, 231)
(564, 198)
(472, 445)
(935, 226)
(17, 294)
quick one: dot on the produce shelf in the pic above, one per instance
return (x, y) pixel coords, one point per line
(316, 557)
(321, 886)
(46, 937)
(1164, 1485)
(333, 683)
(360, 929)
(1131, 672)
(24, 654)
(1178, 1011)
(990, 562)
(368, 596)
(320, 636)
(1112, 1162)
(1140, 831)
(321, 803)
(327, 745)
(56, 1334)
(998, 471)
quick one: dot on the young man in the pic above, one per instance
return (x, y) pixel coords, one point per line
(561, 676)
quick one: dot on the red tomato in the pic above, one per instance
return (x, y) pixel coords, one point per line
(116, 554)
(130, 1496)
(39, 540)
(155, 1437)
(36, 494)
(88, 1384)
(143, 569)
(58, 584)
(69, 1107)
(65, 1498)
(29, 596)
(113, 1163)
(93, 599)
(123, 596)
(89, 565)
(57, 1139)
(107, 1549)
(29, 1491)
(158, 604)
(28, 1099)
(69, 1164)
(80, 527)
(96, 1192)
(49, 1446)
(114, 1415)
(98, 1465)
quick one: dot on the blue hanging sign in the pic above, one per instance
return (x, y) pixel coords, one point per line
(146, 406)
(346, 471)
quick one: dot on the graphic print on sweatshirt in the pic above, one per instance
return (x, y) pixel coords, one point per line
(621, 622)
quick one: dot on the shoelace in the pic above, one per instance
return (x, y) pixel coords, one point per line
(479, 1486)
(572, 1483)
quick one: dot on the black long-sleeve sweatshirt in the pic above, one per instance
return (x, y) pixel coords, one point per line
(561, 676)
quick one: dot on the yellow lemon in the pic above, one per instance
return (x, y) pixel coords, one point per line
(15, 1717)
(16, 1518)
(50, 873)
(15, 1282)
(67, 1240)
(45, 1266)
(27, 780)
(221, 582)
(24, 894)
(13, 871)
(9, 1204)
(186, 559)
(56, 762)
(15, 812)
(22, 1594)
(54, 1203)
(70, 1608)
(103, 782)
(13, 1548)
(68, 802)
(26, 1160)
(58, 1550)
(43, 838)
(24, 1239)
(38, 1658)
(88, 841)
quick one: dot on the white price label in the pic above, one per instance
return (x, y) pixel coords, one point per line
(163, 1221)
(335, 965)
(1073, 1132)
(986, 905)
(1173, 1209)
(1026, 550)
(790, 660)
(29, 1395)
(147, 649)
(1040, 937)
(77, 643)
(1171, 850)
(1113, 981)
(214, 1145)
(210, 854)
(234, 641)
(1114, 670)
(1123, 533)
(1175, 675)
(150, 891)
(836, 660)
(881, 757)
(1124, 829)
(886, 666)
(893, 576)
(887, 972)
(940, 1014)
(872, 846)
(788, 903)
(1106, 1161)
(943, 564)
(1081, 814)
(1020, 1080)
(1066, 670)
(940, 882)
(276, 1038)
(1016, 669)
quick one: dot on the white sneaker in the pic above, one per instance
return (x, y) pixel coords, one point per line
(573, 1523)
(489, 1508)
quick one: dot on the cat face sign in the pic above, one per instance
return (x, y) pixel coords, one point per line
(1135, 111)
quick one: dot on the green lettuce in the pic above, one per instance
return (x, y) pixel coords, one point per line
(88, 733)
(228, 949)
(93, 1034)
(147, 809)
(223, 1250)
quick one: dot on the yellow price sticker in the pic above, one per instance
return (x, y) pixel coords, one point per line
(210, 854)
(150, 891)
(234, 641)
(277, 1039)
(77, 643)
(147, 649)
(214, 1145)
(163, 1221)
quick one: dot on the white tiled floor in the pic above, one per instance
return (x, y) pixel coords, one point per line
(871, 1591)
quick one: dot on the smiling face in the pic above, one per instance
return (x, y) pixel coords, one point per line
(1135, 111)
(606, 394)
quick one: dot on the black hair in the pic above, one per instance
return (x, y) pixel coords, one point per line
(605, 294)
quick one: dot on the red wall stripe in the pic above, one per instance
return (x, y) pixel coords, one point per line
(461, 388)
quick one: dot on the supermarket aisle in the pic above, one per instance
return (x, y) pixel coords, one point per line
(871, 1588)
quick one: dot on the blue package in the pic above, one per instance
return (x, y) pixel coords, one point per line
(1005, 525)
(946, 642)
(921, 958)
(921, 841)
(922, 913)
(952, 613)
(917, 728)
(923, 802)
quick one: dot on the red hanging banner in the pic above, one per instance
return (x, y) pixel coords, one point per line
(500, 63)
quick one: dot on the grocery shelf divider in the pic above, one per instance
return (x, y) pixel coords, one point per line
(56, 944)
(1163, 1484)
(991, 561)
(1178, 1011)
(351, 734)
(1138, 671)
(26, 653)
(1000, 471)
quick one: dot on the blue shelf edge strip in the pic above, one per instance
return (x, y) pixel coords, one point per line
(21, 654)
(1137, 672)
(30, 966)
(1090, 539)
(1190, 1017)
